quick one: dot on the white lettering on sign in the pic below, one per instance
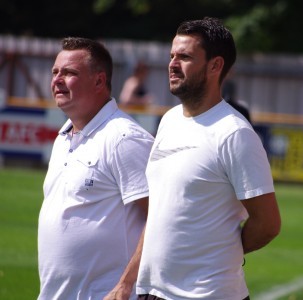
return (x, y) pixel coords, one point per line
(26, 133)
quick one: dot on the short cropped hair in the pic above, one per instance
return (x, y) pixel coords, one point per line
(100, 58)
(216, 40)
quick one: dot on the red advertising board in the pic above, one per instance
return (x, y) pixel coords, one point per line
(29, 132)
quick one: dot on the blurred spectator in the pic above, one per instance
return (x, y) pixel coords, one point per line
(134, 90)
(229, 94)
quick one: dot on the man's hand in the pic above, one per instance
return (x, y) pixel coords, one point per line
(120, 292)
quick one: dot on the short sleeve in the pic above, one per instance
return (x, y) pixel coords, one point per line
(128, 164)
(246, 164)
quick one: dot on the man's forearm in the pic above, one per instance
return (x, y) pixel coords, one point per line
(130, 274)
(263, 224)
(254, 237)
(124, 287)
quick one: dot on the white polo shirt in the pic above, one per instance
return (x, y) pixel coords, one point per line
(88, 224)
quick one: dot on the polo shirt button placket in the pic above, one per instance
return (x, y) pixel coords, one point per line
(70, 151)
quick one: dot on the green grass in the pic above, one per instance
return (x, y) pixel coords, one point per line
(281, 261)
(20, 200)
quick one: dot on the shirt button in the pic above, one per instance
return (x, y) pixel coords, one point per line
(89, 162)
(71, 150)
(65, 164)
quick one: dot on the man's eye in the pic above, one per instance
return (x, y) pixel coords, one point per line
(184, 57)
(70, 72)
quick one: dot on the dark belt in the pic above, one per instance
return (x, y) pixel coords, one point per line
(152, 297)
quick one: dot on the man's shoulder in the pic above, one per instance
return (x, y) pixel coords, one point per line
(122, 126)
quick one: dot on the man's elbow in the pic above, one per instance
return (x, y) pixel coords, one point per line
(275, 229)
(271, 232)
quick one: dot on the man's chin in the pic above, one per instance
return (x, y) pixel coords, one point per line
(176, 91)
(62, 104)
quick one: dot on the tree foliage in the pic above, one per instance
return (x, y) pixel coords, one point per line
(257, 25)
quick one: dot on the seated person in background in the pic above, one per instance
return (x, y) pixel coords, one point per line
(228, 92)
(134, 92)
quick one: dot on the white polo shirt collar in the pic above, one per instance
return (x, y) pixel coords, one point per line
(105, 112)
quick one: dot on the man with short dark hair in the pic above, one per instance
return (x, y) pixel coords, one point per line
(211, 197)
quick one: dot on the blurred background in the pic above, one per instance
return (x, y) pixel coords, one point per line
(267, 78)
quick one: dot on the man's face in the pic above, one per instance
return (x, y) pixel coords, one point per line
(188, 69)
(73, 81)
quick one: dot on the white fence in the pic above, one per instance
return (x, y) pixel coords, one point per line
(267, 83)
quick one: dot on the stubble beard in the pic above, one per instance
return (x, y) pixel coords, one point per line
(191, 91)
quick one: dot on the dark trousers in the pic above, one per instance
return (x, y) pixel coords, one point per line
(151, 297)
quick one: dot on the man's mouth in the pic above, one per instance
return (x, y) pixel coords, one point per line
(60, 92)
(174, 77)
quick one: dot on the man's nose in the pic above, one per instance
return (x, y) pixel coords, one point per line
(173, 63)
(57, 78)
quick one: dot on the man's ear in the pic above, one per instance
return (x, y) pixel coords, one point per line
(217, 64)
(101, 80)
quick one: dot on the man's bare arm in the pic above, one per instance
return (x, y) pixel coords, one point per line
(263, 224)
(124, 287)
